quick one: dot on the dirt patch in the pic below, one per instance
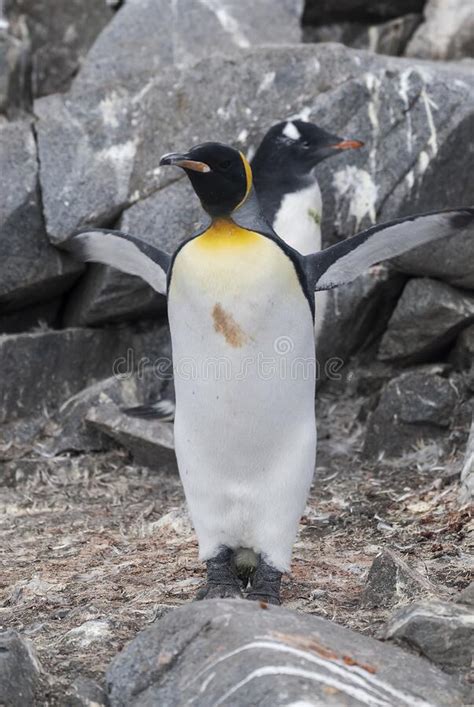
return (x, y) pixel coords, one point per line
(93, 549)
(225, 324)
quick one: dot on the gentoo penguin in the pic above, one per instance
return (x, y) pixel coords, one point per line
(241, 314)
(284, 178)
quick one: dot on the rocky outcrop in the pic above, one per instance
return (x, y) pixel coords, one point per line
(71, 359)
(446, 33)
(31, 270)
(428, 317)
(60, 34)
(237, 652)
(147, 36)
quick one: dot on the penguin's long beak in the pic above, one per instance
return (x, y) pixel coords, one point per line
(347, 145)
(182, 160)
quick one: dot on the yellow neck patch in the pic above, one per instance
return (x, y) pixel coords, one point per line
(249, 177)
(224, 234)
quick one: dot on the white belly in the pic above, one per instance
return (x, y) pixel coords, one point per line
(245, 432)
(298, 223)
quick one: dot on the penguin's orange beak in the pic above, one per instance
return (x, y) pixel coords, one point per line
(348, 145)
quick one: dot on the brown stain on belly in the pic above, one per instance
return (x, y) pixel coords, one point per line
(225, 324)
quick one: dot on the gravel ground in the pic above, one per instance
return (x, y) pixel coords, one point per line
(93, 549)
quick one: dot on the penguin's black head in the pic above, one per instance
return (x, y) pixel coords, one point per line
(297, 147)
(220, 175)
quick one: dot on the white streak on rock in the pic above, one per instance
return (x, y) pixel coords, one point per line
(242, 136)
(111, 107)
(423, 162)
(228, 23)
(429, 104)
(404, 95)
(266, 82)
(358, 187)
(373, 85)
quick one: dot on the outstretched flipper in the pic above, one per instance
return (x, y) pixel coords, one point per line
(343, 262)
(124, 252)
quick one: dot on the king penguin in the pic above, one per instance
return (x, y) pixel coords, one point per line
(285, 179)
(241, 314)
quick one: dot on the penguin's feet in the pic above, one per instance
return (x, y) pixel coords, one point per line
(222, 580)
(219, 591)
(265, 584)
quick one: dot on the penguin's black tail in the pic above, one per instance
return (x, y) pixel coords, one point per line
(245, 561)
(162, 410)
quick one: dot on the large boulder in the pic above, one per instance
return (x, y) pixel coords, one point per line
(414, 406)
(450, 259)
(446, 33)
(428, 317)
(441, 631)
(19, 671)
(100, 149)
(147, 35)
(40, 370)
(61, 34)
(236, 652)
(31, 270)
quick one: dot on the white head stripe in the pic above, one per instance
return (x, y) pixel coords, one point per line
(290, 130)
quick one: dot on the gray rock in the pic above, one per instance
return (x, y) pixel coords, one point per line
(235, 652)
(320, 11)
(389, 37)
(446, 33)
(165, 219)
(428, 317)
(61, 34)
(100, 149)
(73, 434)
(391, 581)
(466, 493)
(147, 35)
(31, 270)
(355, 315)
(443, 632)
(150, 442)
(43, 369)
(462, 355)
(84, 692)
(14, 70)
(450, 260)
(19, 671)
(415, 406)
(466, 596)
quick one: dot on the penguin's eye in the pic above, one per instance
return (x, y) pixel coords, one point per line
(305, 145)
(225, 164)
